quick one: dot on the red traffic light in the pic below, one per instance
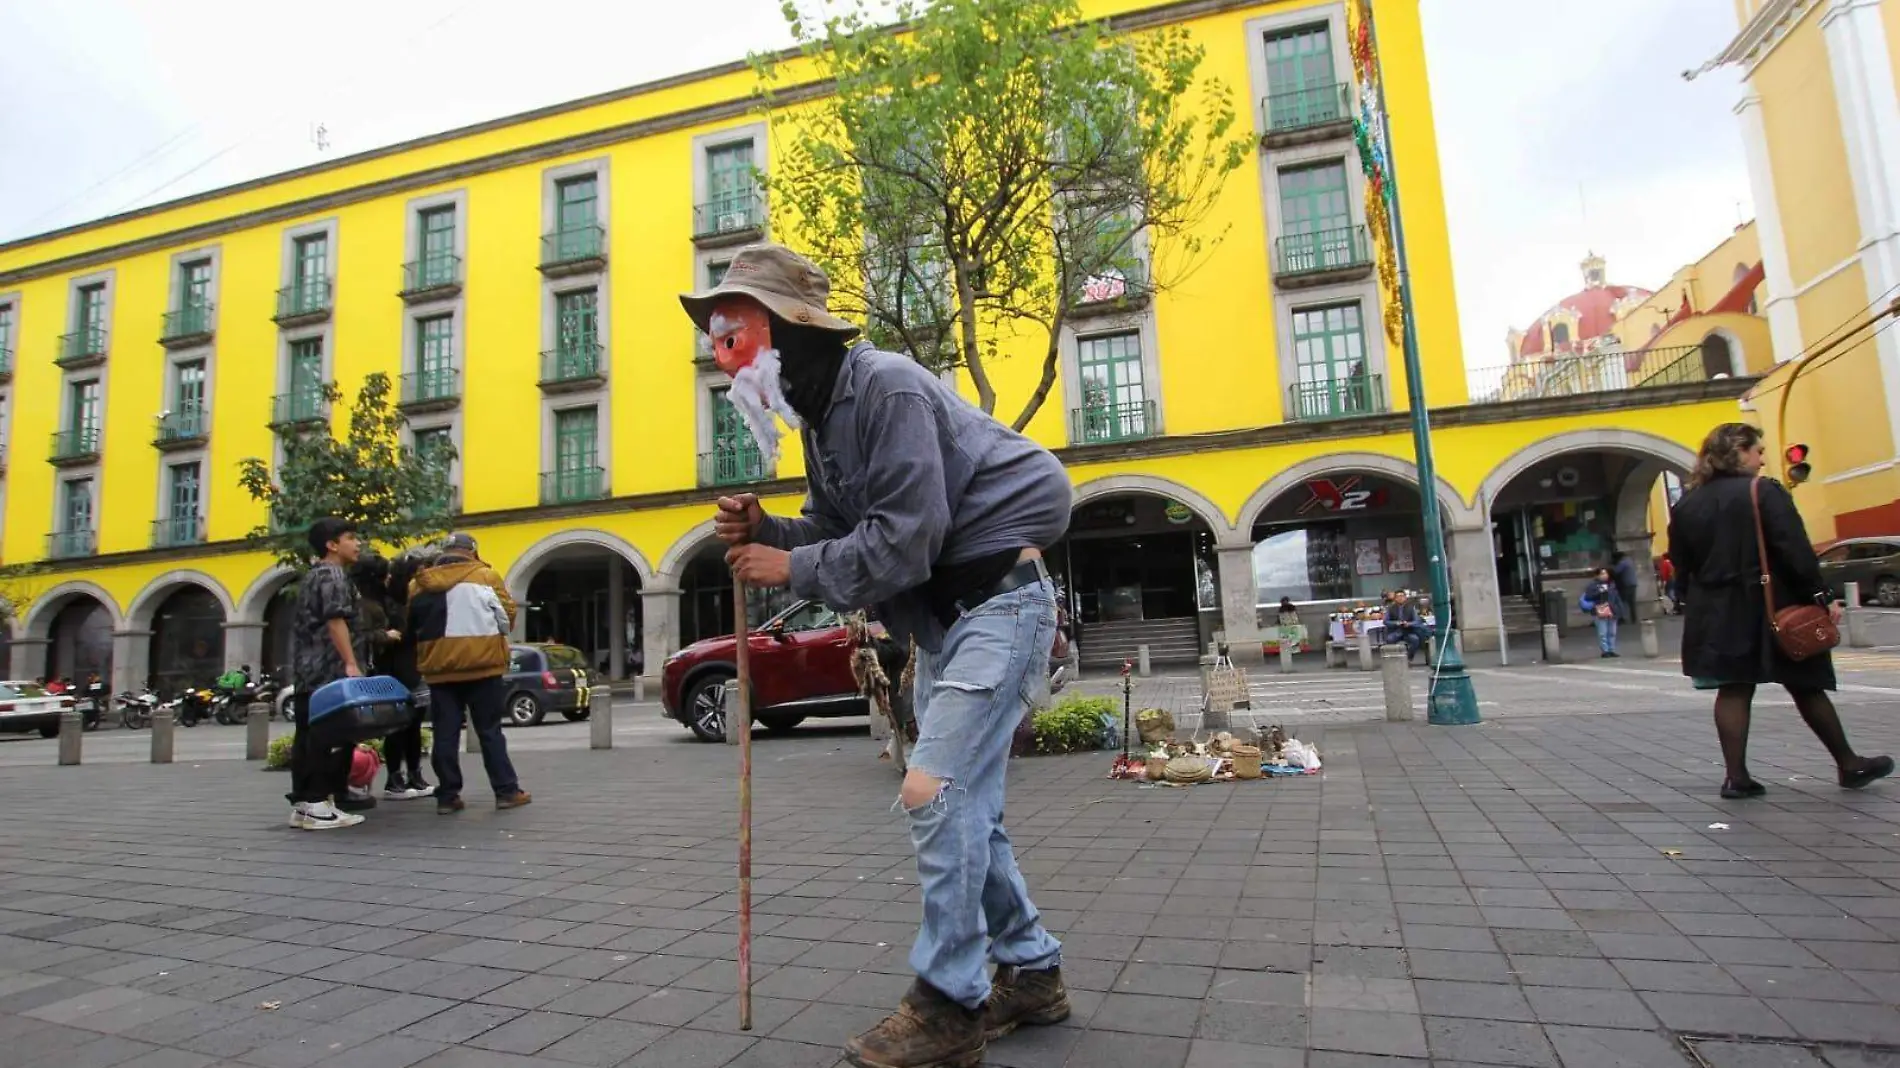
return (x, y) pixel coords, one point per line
(1798, 467)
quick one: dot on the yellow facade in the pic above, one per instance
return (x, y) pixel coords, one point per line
(1821, 124)
(1227, 443)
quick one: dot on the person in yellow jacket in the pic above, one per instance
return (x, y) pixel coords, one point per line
(461, 615)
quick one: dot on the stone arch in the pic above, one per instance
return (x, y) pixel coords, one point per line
(1644, 446)
(139, 614)
(1737, 359)
(255, 600)
(39, 616)
(1456, 514)
(682, 551)
(1117, 485)
(522, 571)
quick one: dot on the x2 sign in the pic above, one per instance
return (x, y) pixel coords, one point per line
(1342, 496)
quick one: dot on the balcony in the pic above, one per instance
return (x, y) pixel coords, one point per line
(191, 324)
(6, 364)
(1340, 398)
(71, 447)
(436, 390)
(1120, 288)
(449, 505)
(299, 408)
(574, 250)
(573, 484)
(82, 348)
(1570, 374)
(573, 368)
(729, 220)
(178, 530)
(1303, 116)
(1323, 257)
(303, 303)
(732, 466)
(431, 278)
(70, 544)
(183, 429)
(1101, 423)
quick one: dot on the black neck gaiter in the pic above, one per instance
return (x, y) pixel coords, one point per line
(809, 360)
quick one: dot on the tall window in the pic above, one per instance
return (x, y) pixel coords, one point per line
(437, 244)
(1300, 78)
(194, 284)
(6, 336)
(434, 443)
(435, 344)
(188, 396)
(576, 454)
(1316, 218)
(577, 350)
(577, 202)
(82, 415)
(1329, 354)
(90, 316)
(735, 453)
(306, 366)
(1114, 395)
(75, 507)
(310, 265)
(182, 497)
(730, 186)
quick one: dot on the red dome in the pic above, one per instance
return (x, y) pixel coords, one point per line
(1583, 316)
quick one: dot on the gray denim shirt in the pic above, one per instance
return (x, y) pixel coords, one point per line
(904, 474)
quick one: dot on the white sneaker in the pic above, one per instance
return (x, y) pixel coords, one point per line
(296, 815)
(323, 816)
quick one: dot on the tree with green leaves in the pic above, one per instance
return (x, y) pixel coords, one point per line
(18, 587)
(979, 171)
(395, 495)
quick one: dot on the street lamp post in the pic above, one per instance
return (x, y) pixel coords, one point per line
(1451, 699)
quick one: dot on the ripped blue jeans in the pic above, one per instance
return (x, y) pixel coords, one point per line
(970, 696)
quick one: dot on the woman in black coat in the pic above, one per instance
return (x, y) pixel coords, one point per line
(402, 751)
(1726, 643)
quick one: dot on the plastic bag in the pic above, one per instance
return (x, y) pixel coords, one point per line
(1300, 755)
(1111, 732)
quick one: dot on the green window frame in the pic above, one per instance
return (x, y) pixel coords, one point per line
(90, 313)
(310, 264)
(194, 284)
(435, 355)
(6, 335)
(436, 237)
(433, 441)
(576, 439)
(184, 486)
(1301, 77)
(76, 507)
(1329, 359)
(577, 332)
(306, 365)
(577, 202)
(1315, 198)
(729, 179)
(716, 272)
(83, 412)
(1114, 387)
(188, 392)
(735, 452)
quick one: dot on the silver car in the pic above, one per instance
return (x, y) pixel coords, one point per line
(1872, 562)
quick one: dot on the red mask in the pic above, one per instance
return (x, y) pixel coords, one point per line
(740, 330)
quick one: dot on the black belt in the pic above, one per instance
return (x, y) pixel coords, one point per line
(1025, 573)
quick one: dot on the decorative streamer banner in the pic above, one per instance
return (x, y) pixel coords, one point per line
(1369, 134)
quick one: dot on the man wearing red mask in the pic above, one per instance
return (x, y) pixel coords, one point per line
(934, 513)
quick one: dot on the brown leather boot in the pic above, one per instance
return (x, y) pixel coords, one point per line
(928, 1030)
(1020, 997)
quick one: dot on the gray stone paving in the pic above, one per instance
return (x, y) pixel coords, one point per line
(1540, 891)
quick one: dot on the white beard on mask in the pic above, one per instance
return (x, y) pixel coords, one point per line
(759, 395)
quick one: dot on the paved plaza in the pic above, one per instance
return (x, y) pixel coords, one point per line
(1559, 886)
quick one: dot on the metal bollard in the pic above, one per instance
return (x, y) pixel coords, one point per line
(600, 725)
(1854, 619)
(72, 727)
(639, 689)
(470, 743)
(1398, 683)
(1286, 657)
(1366, 662)
(1652, 648)
(1553, 645)
(162, 736)
(256, 731)
(728, 706)
(1142, 661)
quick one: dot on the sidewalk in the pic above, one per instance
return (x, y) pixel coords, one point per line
(1539, 891)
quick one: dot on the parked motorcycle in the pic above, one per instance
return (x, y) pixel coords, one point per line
(229, 707)
(135, 709)
(191, 706)
(90, 702)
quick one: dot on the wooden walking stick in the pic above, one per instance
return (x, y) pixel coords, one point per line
(741, 721)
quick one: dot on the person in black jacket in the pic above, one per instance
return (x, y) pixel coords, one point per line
(1726, 642)
(403, 749)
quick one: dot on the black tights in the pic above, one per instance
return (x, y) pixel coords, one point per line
(1731, 727)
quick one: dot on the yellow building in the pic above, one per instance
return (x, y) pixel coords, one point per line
(520, 276)
(1821, 125)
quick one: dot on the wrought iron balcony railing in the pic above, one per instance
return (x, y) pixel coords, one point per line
(191, 319)
(1336, 398)
(67, 544)
(186, 424)
(175, 530)
(310, 297)
(437, 385)
(1099, 423)
(573, 245)
(1337, 249)
(1304, 109)
(732, 465)
(81, 347)
(733, 215)
(78, 444)
(572, 364)
(439, 271)
(570, 484)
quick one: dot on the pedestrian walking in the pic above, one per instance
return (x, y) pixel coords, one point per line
(402, 751)
(323, 649)
(1623, 571)
(1727, 645)
(1602, 601)
(1666, 584)
(937, 514)
(462, 614)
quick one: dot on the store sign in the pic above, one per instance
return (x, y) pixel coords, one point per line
(1342, 496)
(1179, 514)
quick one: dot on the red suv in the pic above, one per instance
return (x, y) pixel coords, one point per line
(801, 666)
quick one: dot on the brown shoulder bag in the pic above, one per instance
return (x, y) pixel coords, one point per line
(1801, 630)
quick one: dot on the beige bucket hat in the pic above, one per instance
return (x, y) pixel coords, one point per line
(791, 286)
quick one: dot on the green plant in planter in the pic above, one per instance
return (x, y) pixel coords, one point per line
(277, 757)
(1075, 723)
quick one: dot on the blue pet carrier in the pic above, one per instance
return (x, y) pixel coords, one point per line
(348, 711)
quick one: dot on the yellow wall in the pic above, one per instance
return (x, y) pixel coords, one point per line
(1704, 282)
(1808, 157)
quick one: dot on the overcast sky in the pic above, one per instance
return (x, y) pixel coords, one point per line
(1564, 125)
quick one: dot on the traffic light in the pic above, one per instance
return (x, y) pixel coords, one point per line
(1798, 468)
